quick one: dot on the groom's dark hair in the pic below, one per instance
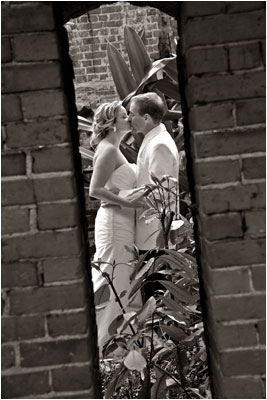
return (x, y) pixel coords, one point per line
(150, 103)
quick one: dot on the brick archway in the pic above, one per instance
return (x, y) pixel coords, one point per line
(48, 345)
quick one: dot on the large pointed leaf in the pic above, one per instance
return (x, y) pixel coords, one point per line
(135, 361)
(170, 89)
(179, 293)
(102, 295)
(171, 69)
(138, 56)
(122, 77)
(147, 310)
(145, 392)
(176, 334)
(159, 389)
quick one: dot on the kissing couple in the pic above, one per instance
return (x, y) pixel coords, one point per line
(118, 226)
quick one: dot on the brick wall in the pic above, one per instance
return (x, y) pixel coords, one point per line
(89, 34)
(223, 47)
(47, 302)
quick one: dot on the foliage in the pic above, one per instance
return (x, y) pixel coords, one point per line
(165, 347)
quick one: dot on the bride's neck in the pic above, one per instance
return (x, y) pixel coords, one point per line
(113, 138)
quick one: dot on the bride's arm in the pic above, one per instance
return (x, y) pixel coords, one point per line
(104, 166)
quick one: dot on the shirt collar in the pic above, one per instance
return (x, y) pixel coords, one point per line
(150, 135)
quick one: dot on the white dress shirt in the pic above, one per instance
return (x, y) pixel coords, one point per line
(158, 154)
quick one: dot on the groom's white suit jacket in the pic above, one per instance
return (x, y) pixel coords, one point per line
(158, 154)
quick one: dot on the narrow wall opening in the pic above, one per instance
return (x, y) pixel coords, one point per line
(89, 35)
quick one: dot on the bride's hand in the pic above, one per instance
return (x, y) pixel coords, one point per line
(137, 200)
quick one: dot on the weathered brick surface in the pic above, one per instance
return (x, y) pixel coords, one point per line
(6, 50)
(255, 223)
(38, 133)
(37, 47)
(56, 216)
(55, 352)
(243, 387)
(219, 171)
(243, 362)
(259, 278)
(19, 274)
(261, 326)
(251, 111)
(232, 198)
(19, 78)
(254, 167)
(230, 225)
(45, 299)
(18, 191)
(7, 357)
(245, 56)
(60, 159)
(237, 141)
(13, 164)
(62, 269)
(231, 281)
(212, 116)
(209, 59)
(14, 386)
(41, 244)
(67, 324)
(42, 104)
(237, 335)
(22, 328)
(15, 220)
(54, 188)
(11, 108)
(71, 378)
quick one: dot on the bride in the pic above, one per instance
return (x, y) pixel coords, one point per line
(115, 220)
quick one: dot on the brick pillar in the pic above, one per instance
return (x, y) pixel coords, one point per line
(48, 321)
(223, 81)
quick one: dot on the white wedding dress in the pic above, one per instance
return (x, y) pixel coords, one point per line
(114, 240)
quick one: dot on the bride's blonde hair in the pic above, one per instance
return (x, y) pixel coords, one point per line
(104, 119)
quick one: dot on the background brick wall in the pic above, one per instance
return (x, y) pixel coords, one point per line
(223, 46)
(88, 37)
(47, 302)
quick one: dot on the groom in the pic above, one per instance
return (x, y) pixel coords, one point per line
(158, 154)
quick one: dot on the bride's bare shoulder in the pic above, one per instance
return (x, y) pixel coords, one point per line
(105, 151)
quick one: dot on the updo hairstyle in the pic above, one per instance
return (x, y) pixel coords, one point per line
(104, 119)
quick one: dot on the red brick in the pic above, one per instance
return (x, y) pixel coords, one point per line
(243, 6)
(72, 378)
(22, 328)
(60, 159)
(254, 167)
(42, 104)
(261, 326)
(7, 357)
(55, 216)
(13, 164)
(231, 308)
(56, 352)
(224, 28)
(238, 335)
(255, 223)
(238, 141)
(195, 9)
(11, 108)
(19, 191)
(19, 274)
(243, 387)
(44, 244)
(232, 281)
(19, 78)
(62, 269)
(6, 50)
(67, 324)
(37, 133)
(207, 59)
(245, 56)
(219, 171)
(56, 188)
(250, 111)
(221, 226)
(210, 88)
(37, 47)
(15, 220)
(231, 198)
(238, 252)
(14, 386)
(243, 362)
(27, 17)
(45, 299)
(259, 278)
(212, 116)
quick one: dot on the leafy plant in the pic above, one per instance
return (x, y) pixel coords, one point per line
(165, 346)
